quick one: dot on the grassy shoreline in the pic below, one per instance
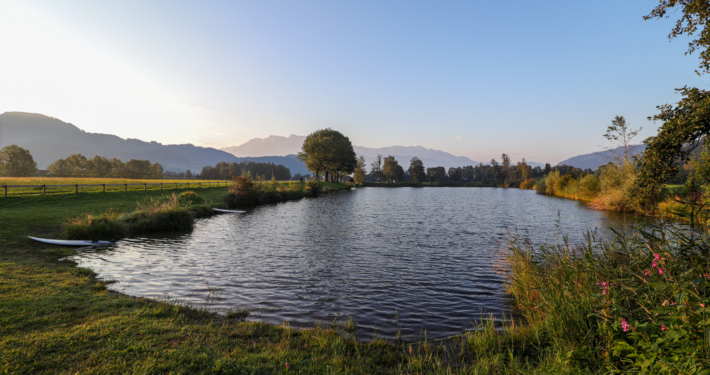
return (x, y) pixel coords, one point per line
(58, 318)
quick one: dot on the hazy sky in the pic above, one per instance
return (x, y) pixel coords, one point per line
(539, 79)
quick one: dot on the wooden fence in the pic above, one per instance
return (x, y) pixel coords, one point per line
(125, 186)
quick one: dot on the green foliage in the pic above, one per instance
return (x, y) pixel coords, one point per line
(528, 184)
(227, 171)
(360, 170)
(328, 151)
(563, 182)
(77, 165)
(588, 187)
(634, 304)
(159, 215)
(168, 213)
(541, 185)
(551, 183)
(685, 123)
(620, 134)
(392, 171)
(190, 197)
(104, 226)
(617, 188)
(416, 170)
(15, 161)
(695, 16)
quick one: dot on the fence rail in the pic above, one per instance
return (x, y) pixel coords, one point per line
(125, 186)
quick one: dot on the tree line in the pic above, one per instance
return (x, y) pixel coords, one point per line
(78, 165)
(387, 169)
(226, 171)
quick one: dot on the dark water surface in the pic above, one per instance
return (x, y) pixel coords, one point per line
(436, 255)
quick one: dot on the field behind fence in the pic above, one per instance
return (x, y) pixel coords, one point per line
(12, 186)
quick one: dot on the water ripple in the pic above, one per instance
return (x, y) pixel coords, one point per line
(435, 255)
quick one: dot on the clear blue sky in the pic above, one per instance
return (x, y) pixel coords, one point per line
(534, 79)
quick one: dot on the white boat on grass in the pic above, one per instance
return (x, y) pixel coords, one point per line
(72, 242)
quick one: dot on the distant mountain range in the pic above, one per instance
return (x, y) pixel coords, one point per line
(599, 158)
(278, 145)
(49, 139)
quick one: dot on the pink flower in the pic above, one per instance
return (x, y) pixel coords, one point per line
(604, 292)
(660, 271)
(656, 257)
(654, 265)
(624, 325)
(286, 364)
(702, 305)
(663, 328)
(645, 272)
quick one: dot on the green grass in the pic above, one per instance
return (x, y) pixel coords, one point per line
(57, 318)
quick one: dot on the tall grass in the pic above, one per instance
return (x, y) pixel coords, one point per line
(639, 303)
(169, 213)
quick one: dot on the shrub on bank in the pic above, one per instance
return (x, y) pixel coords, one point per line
(247, 193)
(639, 303)
(171, 213)
(96, 227)
(528, 184)
(160, 216)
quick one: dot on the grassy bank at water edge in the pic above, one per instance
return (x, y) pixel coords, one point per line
(57, 318)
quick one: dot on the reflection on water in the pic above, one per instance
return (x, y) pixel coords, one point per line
(436, 255)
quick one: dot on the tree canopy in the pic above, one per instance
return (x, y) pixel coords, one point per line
(329, 152)
(695, 15)
(687, 122)
(15, 161)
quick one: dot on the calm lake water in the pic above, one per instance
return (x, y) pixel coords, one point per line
(435, 255)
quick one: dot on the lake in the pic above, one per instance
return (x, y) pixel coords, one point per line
(434, 255)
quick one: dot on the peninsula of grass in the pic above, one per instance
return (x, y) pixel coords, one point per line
(585, 309)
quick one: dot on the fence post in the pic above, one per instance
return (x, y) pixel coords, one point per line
(161, 186)
(145, 186)
(126, 187)
(188, 185)
(44, 189)
(76, 187)
(5, 188)
(104, 186)
(200, 185)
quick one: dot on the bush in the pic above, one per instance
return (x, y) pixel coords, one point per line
(189, 198)
(588, 187)
(159, 216)
(616, 184)
(540, 185)
(528, 184)
(551, 182)
(563, 182)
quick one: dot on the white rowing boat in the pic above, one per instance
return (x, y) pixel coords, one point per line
(72, 242)
(228, 211)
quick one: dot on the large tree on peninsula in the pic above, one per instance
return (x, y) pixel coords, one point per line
(330, 152)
